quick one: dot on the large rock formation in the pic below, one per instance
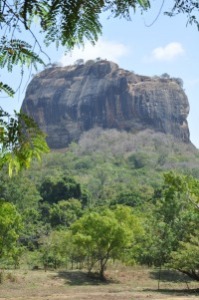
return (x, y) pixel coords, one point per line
(66, 101)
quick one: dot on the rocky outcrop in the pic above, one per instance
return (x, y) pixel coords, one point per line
(66, 101)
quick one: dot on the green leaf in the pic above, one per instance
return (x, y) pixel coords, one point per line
(21, 141)
(7, 89)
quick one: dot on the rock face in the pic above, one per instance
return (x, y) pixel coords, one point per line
(66, 101)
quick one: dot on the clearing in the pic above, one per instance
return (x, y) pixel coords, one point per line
(124, 283)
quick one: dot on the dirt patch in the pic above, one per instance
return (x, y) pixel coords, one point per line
(122, 283)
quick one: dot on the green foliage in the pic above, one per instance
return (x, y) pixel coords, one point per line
(173, 219)
(35, 227)
(21, 191)
(16, 52)
(55, 249)
(186, 258)
(99, 236)
(139, 160)
(55, 189)
(21, 140)
(103, 168)
(100, 175)
(68, 22)
(10, 226)
(133, 196)
(64, 213)
(7, 89)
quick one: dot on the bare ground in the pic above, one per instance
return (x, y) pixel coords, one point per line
(124, 284)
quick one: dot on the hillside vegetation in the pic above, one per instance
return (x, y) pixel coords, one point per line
(114, 196)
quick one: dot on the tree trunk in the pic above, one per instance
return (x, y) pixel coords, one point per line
(102, 269)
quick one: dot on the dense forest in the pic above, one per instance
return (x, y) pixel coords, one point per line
(113, 196)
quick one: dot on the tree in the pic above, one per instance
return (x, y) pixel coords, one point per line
(174, 218)
(10, 226)
(55, 249)
(65, 212)
(19, 190)
(165, 76)
(52, 190)
(186, 258)
(100, 236)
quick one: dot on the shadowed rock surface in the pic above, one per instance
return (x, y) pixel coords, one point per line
(67, 101)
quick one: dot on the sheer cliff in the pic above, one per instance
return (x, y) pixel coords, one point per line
(67, 101)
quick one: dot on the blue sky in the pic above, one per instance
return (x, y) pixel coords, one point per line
(150, 44)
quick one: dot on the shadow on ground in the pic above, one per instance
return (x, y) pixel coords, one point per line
(82, 278)
(169, 276)
(175, 292)
(172, 277)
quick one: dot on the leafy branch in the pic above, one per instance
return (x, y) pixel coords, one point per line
(188, 7)
(21, 141)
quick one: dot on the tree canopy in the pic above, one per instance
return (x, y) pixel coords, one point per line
(172, 229)
(99, 236)
(10, 225)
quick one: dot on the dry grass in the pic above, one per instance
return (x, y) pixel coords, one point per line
(123, 283)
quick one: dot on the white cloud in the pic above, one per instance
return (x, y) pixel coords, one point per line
(104, 49)
(168, 53)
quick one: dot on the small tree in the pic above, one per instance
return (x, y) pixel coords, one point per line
(53, 189)
(173, 219)
(10, 225)
(100, 236)
(186, 258)
(55, 249)
(165, 76)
